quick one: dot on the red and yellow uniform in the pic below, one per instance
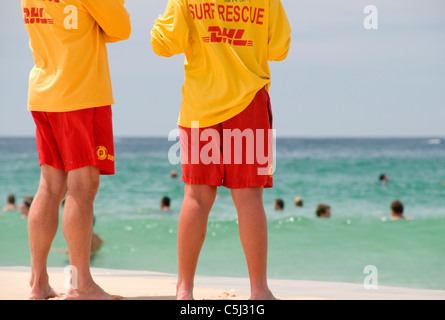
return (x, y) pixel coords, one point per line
(70, 93)
(227, 47)
(68, 41)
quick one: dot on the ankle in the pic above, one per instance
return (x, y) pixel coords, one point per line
(261, 291)
(184, 291)
(264, 294)
(39, 279)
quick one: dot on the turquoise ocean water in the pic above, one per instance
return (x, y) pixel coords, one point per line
(340, 172)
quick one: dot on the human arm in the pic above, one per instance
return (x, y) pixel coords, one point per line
(112, 17)
(279, 32)
(170, 32)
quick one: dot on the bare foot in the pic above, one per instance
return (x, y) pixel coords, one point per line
(184, 291)
(93, 292)
(40, 288)
(39, 294)
(184, 295)
(266, 295)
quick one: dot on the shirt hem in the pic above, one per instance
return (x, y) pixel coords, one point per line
(70, 108)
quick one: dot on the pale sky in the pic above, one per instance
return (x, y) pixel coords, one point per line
(339, 80)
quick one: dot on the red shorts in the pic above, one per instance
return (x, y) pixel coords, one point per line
(76, 139)
(237, 153)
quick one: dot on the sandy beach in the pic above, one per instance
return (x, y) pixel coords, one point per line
(145, 285)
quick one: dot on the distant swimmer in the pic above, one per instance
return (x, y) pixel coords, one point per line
(397, 211)
(323, 211)
(96, 243)
(383, 178)
(278, 204)
(25, 206)
(298, 201)
(11, 204)
(173, 174)
(165, 204)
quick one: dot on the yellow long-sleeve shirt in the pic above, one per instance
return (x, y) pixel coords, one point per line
(227, 47)
(68, 41)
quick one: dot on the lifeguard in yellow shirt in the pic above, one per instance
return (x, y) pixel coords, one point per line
(225, 119)
(70, 97)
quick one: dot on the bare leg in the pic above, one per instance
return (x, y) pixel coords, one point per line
(43, 221)
(83, 185)
(253, 234)
(192, 227)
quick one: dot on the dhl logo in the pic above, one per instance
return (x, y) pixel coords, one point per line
(35, 15)
(230, 36)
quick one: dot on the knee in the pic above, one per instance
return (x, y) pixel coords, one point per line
(85, 185)
(54, 191)
(53, 188)
(202, 196)
(85, 191)
(248, 196)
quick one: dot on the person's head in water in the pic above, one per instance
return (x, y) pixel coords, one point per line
(165, 204)
(278, 204)
(298, 202)
(323, 211)
(397, 210)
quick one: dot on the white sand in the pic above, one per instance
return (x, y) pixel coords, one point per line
(145, 285)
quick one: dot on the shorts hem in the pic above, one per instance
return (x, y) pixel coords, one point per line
(265, 185)
(201, 182)
(252, 184)
(66, 169)
(41, 163)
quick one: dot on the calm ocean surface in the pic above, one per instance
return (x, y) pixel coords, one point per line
(340, 172)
